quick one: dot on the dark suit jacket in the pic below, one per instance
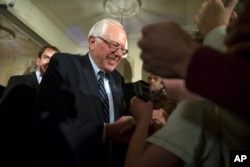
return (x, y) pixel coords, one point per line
(2, 88)
(16, 120)
(70, 113)
(29, 80)
(16, 126)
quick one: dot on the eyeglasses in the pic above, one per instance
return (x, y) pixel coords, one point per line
(114, 46)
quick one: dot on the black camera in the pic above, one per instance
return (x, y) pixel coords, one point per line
(142, 90)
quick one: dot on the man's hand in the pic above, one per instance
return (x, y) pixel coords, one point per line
(121, 130)
(141, 110)
(160, 116)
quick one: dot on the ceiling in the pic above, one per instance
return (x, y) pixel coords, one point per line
(75, 17)
(13, 42)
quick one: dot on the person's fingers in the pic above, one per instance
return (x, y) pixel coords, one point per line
(230, 5)
(127, 128)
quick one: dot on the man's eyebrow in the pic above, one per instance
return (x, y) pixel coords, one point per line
(45, 56)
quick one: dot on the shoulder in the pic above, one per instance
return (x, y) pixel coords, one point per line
(195, 106)
(64, 59)
(64, 56)
(22, 78)
(18, 77)
(194, 111)
(197, 103)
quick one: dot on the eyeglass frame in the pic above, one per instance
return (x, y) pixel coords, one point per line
(114, 46)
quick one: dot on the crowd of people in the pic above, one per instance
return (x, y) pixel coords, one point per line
(65, 124)
(199, 132)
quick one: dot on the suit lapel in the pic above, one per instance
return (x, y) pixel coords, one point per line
(115, 92)
(89, 79)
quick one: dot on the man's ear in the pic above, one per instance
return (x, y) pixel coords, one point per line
(91, 42)
(233, 16)
(37, 61)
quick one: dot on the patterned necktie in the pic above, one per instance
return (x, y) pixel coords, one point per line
(103, 96)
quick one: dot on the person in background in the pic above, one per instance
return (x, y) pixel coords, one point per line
(16, 113)
(33, 80)
(74, 129)
(163, 105)
(159, 94)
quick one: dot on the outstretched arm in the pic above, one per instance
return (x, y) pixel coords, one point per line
(139, 153)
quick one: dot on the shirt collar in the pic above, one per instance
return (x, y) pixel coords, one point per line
(38, 76)
(96, 69)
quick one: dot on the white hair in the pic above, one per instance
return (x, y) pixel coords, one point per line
(99, 28)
